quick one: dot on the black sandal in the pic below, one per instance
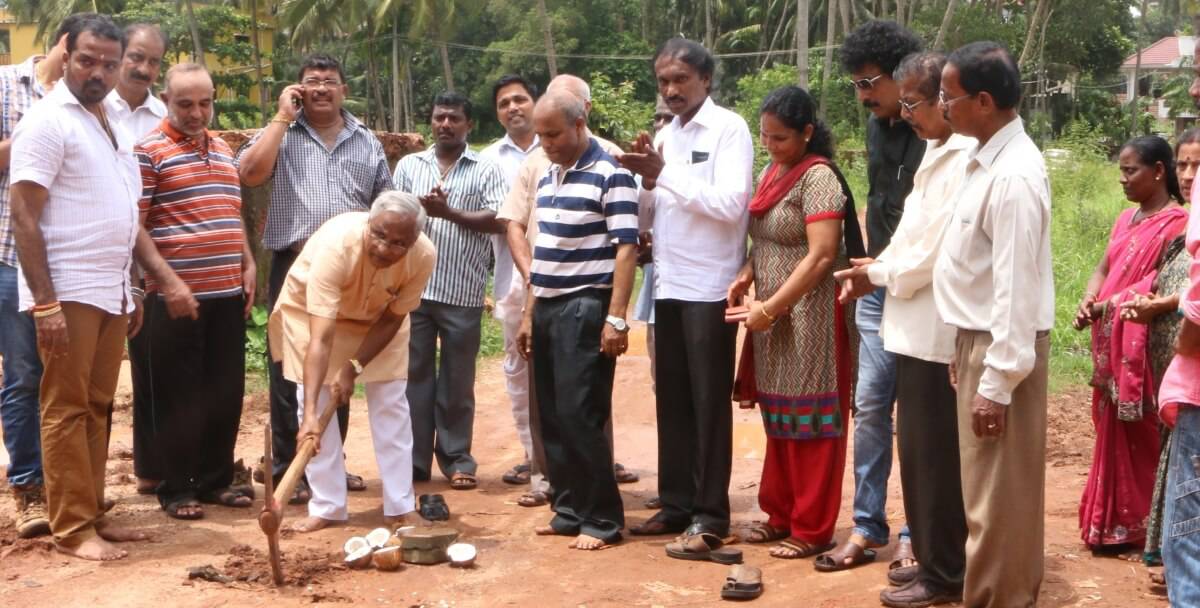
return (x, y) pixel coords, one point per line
(226, 497)
(433, 507)
(173, 509)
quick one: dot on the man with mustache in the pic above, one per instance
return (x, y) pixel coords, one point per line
(133, 104)
(697, 176)
(461, 192)
(20, 86)
(513, 97)
(192, 342)
(75, 187)
(894, 151)
(321, 162)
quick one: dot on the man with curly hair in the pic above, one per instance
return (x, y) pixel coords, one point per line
(894, 151)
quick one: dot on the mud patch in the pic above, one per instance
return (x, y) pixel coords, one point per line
(300, 567)
(12, 545)
(1070, 434)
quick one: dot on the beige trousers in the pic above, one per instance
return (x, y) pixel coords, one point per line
(1003, 484)
(77, 390)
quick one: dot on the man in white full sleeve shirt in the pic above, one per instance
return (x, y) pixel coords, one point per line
(697, 176)
(993, 282)
(912, 330)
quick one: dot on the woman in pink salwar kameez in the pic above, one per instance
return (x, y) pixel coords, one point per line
(1116, 500)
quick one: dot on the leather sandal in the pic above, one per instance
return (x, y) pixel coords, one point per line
(848, 555)
(742, 583)
(656, 526)
(900, 574)
(704, 546)
(433, 507)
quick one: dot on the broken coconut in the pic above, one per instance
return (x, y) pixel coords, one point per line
(461, 555)
(387, 558)
(360, 558)
(353, 544)
(378, 537)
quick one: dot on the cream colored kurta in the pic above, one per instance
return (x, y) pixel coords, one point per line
(333, 279)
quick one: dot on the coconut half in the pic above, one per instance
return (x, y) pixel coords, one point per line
(378, 537)
(461, 555)
(359, 559)
(387, 559)
(355, 543)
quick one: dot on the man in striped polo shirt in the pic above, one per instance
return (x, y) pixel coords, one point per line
(194, 331)
(583, 265)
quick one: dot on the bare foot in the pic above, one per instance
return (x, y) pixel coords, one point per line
(116, 534)
(96, 549)
(311, 523)
(588, 543)
(547, 531)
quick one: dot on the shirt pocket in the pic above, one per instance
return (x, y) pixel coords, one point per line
(466, 198)
(359, 179)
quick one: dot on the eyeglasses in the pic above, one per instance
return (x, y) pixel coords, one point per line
(317, 83)
(865, 84)
(911, 107)
(944, 101)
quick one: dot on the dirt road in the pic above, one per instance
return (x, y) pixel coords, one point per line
(515, 568)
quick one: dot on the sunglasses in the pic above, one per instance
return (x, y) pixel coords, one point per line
(865, 84)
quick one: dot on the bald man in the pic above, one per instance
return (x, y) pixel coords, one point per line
(574, 325)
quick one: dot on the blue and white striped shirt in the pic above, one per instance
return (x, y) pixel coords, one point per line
(582, 214)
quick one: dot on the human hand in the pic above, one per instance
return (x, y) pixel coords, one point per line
(854, 280)
(1141, 309)
(758, 320)
(1083, 315)
(291, 99)
(249, 286)
(644, 160)
(987, 417)
(612, 342)
(954, 374)
(436, 203)
(342, 388)
(136, 317)
(180, 301)
(645, 248)
(52, 334)
(525, 337)
(740, 286)
(308, 429)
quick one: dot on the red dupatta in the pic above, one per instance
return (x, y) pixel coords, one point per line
(1120, 359)
(771, 190)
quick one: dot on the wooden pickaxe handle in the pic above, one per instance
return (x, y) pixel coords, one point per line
(304, 453)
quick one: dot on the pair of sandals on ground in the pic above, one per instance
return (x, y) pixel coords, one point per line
(850, 554)
(522, 473)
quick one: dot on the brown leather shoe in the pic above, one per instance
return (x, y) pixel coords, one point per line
(31, 511)
(918, 594)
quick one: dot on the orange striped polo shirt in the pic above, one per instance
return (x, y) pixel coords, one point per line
(192, 204)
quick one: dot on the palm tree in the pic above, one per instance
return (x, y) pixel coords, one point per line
(49, 15)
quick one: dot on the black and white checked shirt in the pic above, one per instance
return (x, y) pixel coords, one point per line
(464, 255)
(312, 184)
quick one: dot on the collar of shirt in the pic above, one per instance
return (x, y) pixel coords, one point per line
(27, 74)
(986, 154)
(430, 155)
(585, 162)
(507, 142)
(955, 143)
(706, 116)
(152, 104)
(178, 136)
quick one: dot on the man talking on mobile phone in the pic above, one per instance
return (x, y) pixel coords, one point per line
(324, 162)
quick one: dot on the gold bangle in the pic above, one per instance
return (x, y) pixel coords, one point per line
(49, 312)
(282, 120)
(766, 314)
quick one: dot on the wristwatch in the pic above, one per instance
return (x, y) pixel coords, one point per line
(358, 367)
(618, 323)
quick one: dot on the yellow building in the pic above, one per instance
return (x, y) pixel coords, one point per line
(18, 43)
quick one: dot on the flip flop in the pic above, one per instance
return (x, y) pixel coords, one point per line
(836, 561)
(172, 509)
(624, 475)
(703, 546)
(802, 549)
(355, 483)
(518, 475)
(742, 583)
(534, 499)
(463, 481)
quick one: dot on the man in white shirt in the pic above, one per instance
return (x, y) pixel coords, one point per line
(699, 186)
(927, 421)
(132, 103)
(75, 187)
(513, 97)
(993, 281)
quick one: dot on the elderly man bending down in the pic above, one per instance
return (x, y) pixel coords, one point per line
(343, 316)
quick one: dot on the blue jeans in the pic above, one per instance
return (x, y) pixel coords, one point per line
(1181, 516)
(19, 411)
(873, 401)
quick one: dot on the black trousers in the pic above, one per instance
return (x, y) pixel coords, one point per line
(927, 437)
(442, 346)
(695, 348)
(573, 381)
(193, 376)
(285, 422)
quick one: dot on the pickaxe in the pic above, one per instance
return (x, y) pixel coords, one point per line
(271, 518)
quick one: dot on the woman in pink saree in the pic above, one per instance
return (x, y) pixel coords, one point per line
(1117, 498)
